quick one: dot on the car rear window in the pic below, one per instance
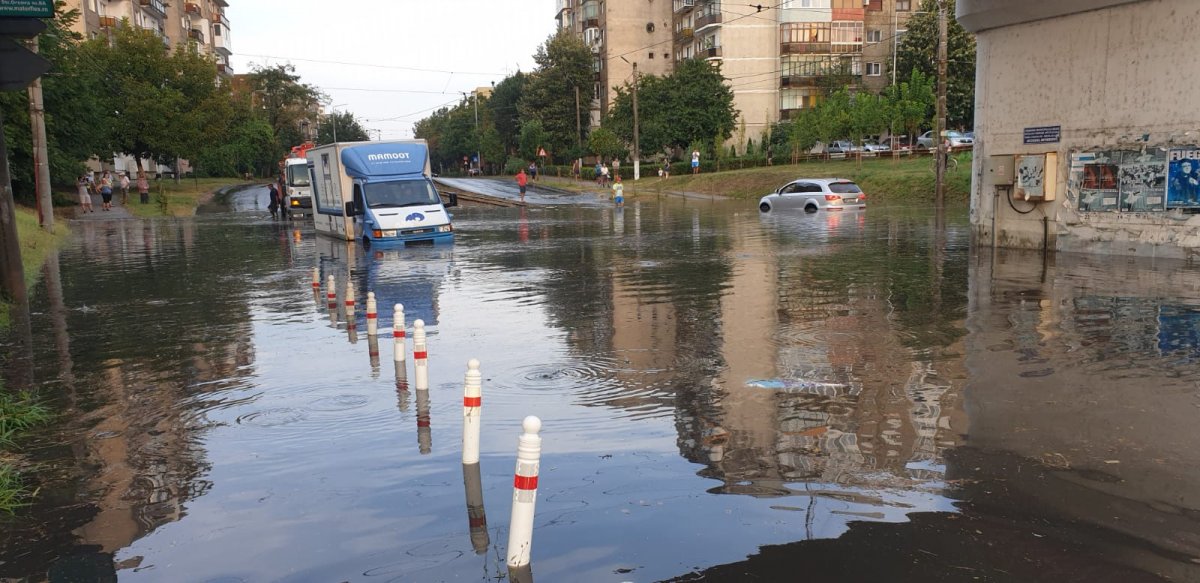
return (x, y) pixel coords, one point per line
(844, 188)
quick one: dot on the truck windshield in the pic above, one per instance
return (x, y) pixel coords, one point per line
(297, 175)
(401, 193)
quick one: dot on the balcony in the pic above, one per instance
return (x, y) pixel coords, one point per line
(707, 19)
(108, 22)
(684, 34)
(684, 6)
(805, 48)
(221, 42)
(196, 35)
(191, 8)
(793, 81)
(711, 53)
(157, 8)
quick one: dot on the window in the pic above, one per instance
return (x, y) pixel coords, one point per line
(874, 70)
(874, 36)
(903, 5)
(790, 4)
(804, 32)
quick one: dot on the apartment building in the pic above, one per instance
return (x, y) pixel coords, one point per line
(778, 57)
(202, 22)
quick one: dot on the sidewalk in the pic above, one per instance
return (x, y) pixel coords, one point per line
(117, 213)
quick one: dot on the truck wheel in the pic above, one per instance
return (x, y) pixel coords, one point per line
(366, 242)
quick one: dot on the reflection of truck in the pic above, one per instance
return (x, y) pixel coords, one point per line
(377, 192)
(297, 195)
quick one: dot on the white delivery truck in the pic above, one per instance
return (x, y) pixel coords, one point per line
(377, 192)
(294, 187)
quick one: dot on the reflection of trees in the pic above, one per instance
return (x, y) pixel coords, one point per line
(156, 318)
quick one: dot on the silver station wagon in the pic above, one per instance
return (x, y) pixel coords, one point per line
(814, 194)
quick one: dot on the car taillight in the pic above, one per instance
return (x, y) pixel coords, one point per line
(862, 196)
(832, 197)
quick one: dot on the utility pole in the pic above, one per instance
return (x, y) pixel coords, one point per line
(12, 271)
(636, 154)
(940, 126)
(41, 163)
(478, 137)
(578, 133)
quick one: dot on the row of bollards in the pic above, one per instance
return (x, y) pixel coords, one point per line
(529, 444)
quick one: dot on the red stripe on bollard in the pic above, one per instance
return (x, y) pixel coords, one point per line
(425, 423)
(477, 522)
(472, 401)
(525, 482)
(372, 315)
(420, 355)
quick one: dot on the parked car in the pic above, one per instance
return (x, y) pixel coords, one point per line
(813, 194)
(873, 146)
(839, 147)
(957, 140)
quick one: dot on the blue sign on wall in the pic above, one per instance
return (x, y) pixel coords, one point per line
(1043, 135)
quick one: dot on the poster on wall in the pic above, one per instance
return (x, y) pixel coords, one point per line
(1098, 189)
(1031, 175)
(1143, 181)
(1183, 185)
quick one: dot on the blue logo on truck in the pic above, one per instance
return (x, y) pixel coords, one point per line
(415, 217)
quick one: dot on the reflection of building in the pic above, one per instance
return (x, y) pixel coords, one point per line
(1069, 375)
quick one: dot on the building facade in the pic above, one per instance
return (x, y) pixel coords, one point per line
(778, 58)
(1086, 138)
(177, 23)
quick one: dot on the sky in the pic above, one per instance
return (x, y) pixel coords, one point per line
(362, 53)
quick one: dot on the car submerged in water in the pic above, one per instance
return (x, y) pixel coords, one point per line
(814, 194)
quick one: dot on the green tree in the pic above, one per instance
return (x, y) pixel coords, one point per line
(691, 104)
(285, 101)
(564, 64)
(802, 133)
(605, 144)
(503, 107)
(868, 116)
(491, 147)
(918, 52)
(348, 129)
(911, 104)
(533, 136)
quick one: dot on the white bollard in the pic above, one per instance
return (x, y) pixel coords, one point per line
(420, 357)
(351, 321)
(373, 355)
(472, 407)
(525, 483)
(372, 315)
(398, 350)
(316, 282)
(331, 293)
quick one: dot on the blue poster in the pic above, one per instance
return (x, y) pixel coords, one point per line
(1183, 184)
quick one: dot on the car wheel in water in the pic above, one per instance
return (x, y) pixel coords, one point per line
(812, 208)
(764, 207)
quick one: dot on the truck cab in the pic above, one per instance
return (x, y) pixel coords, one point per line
(378, 193)
(297, 200)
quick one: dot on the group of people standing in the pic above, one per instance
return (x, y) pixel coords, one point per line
(105, 186)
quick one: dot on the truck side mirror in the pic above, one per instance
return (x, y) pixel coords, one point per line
(350, 210)
(453, 200)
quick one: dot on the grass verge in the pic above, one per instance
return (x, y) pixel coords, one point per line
(18, 415)
(177, 199)
(885, 180)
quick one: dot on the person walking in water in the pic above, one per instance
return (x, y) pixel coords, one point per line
(618, 191)
(273, 205)
(106, 190)
(85, 195)
(522, 181)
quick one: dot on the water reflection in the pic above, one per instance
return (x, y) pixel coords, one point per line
(858, 382)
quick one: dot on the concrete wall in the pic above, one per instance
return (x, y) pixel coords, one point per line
(1117, 80)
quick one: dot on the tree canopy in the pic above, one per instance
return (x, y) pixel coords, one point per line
(347, 126)
(564, 67)
(918, 52)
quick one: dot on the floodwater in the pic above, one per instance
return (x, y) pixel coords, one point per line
(725, 396)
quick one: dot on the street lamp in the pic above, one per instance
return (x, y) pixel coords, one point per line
(478, 159)
(333, 108)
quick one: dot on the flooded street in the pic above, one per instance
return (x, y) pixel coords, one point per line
(725, 396)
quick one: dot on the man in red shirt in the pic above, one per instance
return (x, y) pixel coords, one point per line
(522, 180)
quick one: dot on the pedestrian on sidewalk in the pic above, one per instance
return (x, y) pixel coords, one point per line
(106, 190)
(695, 161)
(616, 167)
(143, 186)
(603, 175)
(533, 171)
(85, 195)
(124, 182)
(666, 168)
(522, 180)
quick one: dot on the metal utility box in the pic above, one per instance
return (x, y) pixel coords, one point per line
(1036, 177)
(999, 169)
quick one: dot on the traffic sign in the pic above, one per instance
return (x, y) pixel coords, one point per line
(19, 66)
(541, 152)
(26, 8)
